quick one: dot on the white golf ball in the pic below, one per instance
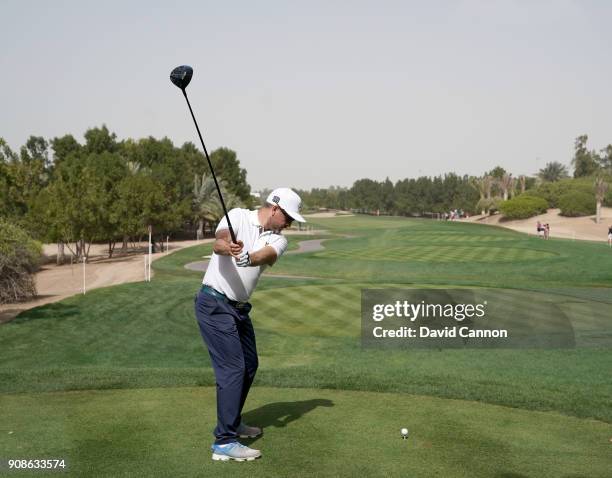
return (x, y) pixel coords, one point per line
(404, 432)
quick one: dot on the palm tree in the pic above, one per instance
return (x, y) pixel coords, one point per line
(483, 186)
(505, 184)
(512, 188)
(601, 187)
(553, 172)
(488, 184)
(206, 204)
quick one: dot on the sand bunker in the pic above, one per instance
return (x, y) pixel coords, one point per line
(55, 283)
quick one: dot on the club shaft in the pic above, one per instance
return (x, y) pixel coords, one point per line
(231, 229)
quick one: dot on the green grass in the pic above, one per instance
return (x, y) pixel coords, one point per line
(134, 344)
(308, 432)
(397, 250)
(440, 253)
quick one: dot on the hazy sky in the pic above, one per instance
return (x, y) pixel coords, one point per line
(312, 94)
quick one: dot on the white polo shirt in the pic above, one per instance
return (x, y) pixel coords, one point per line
(222, 274)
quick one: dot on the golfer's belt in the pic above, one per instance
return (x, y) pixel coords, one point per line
(221, 296)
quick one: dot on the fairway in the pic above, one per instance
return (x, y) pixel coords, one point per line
(119, 383)
(441, 253)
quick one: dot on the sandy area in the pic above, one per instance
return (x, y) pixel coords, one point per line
(55, 283)
(583, 228)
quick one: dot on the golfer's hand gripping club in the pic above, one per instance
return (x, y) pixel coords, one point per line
(235, 248)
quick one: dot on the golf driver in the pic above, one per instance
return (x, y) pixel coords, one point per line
(181, 76)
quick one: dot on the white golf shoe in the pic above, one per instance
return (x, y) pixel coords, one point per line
(245, 431)
(234, 451)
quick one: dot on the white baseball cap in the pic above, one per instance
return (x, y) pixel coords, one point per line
(288, 201)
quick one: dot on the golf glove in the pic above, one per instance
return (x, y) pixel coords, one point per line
(244, 260)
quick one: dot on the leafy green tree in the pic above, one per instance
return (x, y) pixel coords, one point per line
(100, 140)
(168, 167)
(553, 171)
(46, 218)
(463, 194)
(7, 155)
(6, 180)
(141, 203)
(172, 167)
(63, 147)
(227, 168)
(108, 170)
(77, 206)
(73, 195)
(497, 172)
(24, 175)
(75, 203)
(584, 161)
(386, 196)
(36, 149)
(366, 195)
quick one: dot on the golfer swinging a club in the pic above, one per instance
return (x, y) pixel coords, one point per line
(222, 310)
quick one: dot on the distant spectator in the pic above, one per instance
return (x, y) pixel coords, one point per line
(610, 236)
(546, 231)
(539, 229)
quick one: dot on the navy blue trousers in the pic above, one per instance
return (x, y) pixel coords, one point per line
(230, 338)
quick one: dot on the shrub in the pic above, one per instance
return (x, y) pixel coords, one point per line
(553, 192)
(19, 258)
(577, 203)
(522, 207)
(536, 193)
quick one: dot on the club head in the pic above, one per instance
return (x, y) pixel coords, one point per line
(181, 76)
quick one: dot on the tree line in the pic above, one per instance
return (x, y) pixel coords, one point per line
(105, 190)
(420, 196)
(472, 194)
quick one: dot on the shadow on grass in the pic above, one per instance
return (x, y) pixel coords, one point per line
(49, 311)
(280, 414)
